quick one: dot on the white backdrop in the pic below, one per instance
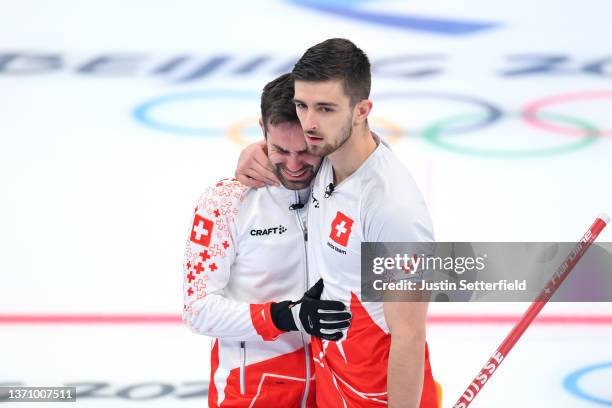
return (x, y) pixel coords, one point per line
(114, 117)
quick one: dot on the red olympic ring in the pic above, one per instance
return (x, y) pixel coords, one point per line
(531, 111)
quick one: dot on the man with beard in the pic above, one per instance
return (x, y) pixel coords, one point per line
(245, 254)
(363, 193)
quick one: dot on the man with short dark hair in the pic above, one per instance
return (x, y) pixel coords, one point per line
(371, 197)
(245, 254)
(362, 193)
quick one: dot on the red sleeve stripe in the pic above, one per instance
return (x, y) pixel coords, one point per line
(262, 321)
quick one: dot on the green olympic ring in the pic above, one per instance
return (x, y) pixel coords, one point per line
(433, 135)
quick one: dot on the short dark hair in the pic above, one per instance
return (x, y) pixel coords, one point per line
(277, 102)
(337, 58)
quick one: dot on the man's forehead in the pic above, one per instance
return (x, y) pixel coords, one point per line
(318, 91)
(284, 128)
(288, 136)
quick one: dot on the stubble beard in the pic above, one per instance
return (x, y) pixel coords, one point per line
(326, 149)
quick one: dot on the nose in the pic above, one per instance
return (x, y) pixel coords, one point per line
(310, 122)
(293, 163)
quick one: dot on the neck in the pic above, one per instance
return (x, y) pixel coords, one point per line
(346, 160)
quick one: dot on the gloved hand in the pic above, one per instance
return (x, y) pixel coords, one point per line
(321, 318)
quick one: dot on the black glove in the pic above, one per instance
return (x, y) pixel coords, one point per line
(321, 318)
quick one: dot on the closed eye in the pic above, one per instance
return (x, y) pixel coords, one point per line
(280, 150)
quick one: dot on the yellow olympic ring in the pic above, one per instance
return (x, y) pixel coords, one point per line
(395, 131)
(235, 131)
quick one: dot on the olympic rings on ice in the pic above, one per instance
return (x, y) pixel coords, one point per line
(443, 133)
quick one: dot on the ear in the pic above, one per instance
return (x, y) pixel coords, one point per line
(361, 111)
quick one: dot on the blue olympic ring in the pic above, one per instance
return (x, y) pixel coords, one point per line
(143, 112)
(570, 383)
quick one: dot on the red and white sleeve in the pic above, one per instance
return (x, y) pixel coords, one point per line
(209, 254)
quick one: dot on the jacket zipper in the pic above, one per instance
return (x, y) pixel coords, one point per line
(242, 368)
(306, 348)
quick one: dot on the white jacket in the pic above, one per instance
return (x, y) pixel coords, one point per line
(247, 248)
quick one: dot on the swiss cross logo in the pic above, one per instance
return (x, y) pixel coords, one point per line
(341, 229)
(411, 267)
(201, 232)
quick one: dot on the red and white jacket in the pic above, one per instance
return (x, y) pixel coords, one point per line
(247, 248)
(379, 202)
